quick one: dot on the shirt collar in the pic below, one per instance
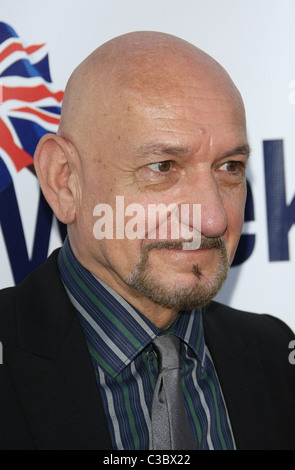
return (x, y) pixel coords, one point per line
(115, 331)
(188, 326)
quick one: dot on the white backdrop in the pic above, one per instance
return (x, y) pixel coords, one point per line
(254, 40)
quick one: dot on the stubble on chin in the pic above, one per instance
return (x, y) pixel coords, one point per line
(201, 292)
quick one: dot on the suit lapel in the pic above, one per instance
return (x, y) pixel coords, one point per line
(244, 388)
(52, 368)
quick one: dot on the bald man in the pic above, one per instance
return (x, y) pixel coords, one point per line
(149, 123)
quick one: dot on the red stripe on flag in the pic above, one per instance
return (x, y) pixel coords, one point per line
(20, 157)
(34, 48)
(10, 49)
(41, 115)
(17, 47)
(30, 94)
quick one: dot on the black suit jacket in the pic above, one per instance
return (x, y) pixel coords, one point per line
(49, 398)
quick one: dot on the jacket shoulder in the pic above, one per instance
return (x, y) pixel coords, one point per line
(232, 323)
(37, 278)
(28, 302)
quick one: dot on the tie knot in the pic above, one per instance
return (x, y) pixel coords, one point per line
(167, 348)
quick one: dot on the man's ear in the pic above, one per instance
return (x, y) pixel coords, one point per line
(53, 170)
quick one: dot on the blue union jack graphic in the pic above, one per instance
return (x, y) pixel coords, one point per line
(29, 106)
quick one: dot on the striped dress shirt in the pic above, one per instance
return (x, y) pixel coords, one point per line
(119, 340)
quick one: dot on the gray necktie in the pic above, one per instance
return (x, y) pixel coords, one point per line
(170, 425)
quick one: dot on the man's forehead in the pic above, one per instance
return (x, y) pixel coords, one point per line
(172, 125)
(174, 113)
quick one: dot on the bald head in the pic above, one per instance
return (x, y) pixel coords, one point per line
(141, 63)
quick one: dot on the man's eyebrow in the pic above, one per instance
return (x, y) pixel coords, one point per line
(180, 150)
(239, 150)
(164, 149)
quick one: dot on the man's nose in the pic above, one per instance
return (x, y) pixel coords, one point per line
(205, 192)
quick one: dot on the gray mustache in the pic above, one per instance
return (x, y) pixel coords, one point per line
(206, 242)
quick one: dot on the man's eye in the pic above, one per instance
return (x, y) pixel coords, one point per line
(161, 167)
(232, 167)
